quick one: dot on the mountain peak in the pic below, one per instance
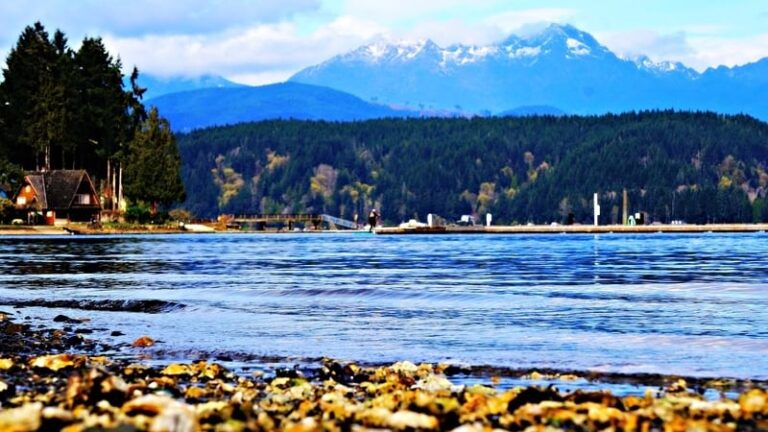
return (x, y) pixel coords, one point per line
(566, 39)
(663, 67)
(385, 51)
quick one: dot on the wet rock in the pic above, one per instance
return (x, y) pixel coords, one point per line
(534, 395)
(117, 333)
(168, 414)
(143, 342)
(288, 373)
(24, 418)
(74, 340)
(65, 319)
(6, 363)
(57, 362)
(603, 398)
(6, 391)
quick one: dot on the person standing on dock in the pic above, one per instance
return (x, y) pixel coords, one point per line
(373, 219)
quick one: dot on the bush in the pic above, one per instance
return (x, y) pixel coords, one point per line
(159, 218)
(180, 215)
(7, 210)
(138, 213)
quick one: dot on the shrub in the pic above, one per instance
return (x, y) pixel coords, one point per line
(7, 210)
(180, 215)
(137, 213)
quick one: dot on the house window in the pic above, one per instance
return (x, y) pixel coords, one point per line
(83, 199)
(28, 189)
(21, 200)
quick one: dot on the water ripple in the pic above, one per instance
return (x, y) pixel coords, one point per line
(689, 304)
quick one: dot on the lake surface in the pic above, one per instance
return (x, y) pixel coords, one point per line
(662, 303)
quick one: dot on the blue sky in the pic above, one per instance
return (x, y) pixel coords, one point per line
(261, 41)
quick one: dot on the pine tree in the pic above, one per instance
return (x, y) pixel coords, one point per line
(102, 116)
(153, 165)
(60, 95)
(27, 80)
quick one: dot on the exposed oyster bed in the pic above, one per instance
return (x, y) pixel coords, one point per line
(48, 383)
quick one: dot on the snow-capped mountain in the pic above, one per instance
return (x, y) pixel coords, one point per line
(560, 66)
(557, 40)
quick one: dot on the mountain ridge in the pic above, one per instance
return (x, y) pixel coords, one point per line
(157, 85)
(201, 108)
(560, 66)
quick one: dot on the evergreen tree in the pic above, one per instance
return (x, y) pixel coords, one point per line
(103, 113)
(26, 80)
(60, 103)
(152, 173)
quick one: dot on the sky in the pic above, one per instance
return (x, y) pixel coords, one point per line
(265, 41)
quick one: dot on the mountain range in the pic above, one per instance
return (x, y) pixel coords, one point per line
(560, 70)
(560, 67)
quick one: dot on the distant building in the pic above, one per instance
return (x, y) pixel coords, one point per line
(58, 197)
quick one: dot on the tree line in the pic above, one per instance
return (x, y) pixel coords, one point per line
(690, 166)
(62, 108)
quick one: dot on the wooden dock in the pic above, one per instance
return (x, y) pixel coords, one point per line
(578, 229)
(316, 220)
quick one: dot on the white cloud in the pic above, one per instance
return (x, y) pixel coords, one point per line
(713, 52)
(446, 33)
(398, 11)
(141, 17)
(647, 42)
(516, 20)
(253, 56)
(699, 51)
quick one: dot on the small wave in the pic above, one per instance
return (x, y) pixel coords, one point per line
(144, 306)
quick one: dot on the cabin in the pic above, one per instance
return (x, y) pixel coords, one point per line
(58, 197)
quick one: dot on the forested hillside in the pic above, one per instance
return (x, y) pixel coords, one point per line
(697, 167)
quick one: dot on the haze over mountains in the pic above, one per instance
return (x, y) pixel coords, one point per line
(558, 70)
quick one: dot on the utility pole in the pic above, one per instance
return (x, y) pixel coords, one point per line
(120, 191)
(625, 208)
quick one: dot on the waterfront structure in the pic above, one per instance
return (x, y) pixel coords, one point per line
(58, 197)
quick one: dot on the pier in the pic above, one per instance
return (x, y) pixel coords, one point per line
(315, 220)
(576, 229)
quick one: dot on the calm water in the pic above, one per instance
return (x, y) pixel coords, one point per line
(685, 304)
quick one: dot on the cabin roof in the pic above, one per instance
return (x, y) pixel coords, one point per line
(57, 189)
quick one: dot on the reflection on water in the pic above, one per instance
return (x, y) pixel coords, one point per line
(688, 304)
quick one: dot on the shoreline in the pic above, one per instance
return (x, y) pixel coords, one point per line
(54, 378)
(42, 230)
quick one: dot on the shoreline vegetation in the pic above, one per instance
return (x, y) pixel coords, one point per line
(60, 379)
